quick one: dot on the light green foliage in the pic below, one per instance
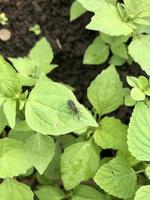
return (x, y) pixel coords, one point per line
(79, 162)
(3, 19)
(9, 108)
(10, 85)
(13, 160)
(111, 130)
(3, 120)
(107, 19)
(138, 132)
(52, 172)
(21, 131)
(85, 192)
(12, 189)
(140, 51)
(76, 10)
(97, 52)
(40, 150)
(36, 29)
(105, 92)
(51, 192)
(141, 87)
(47, 111)
(143, 193)
(147, 171)
(116, 60)
(36, 63)
(117, 178)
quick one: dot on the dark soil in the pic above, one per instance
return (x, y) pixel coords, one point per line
(53, 17)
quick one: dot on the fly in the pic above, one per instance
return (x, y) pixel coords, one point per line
(73, 107)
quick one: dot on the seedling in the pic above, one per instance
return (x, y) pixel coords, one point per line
(36, 29)
(3, 19)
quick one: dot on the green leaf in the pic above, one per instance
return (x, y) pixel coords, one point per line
(35, 29)
(137, 47)
(137, 9)
(10, 85)
(117, 178)
(138, 132)
(42, 55)
(128, 101)
(52, 172)
(44, 192)
(13, 161)
(47, 111)
(147, 171)
(111, 130)
(142, 82)
(107, 20)
(76, 10)
(21, 131)
(9, 108)
(120, 50)
(137, 94)
(85, 192)
(97, 53)
(143, 193)
(91, 5)
(24, 66)
(79, 162)
(132, 81)
(105, 92)
(3, 120)
(116, 60)
(40, 150)
(12, 189)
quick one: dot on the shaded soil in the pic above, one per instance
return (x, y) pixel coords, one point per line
(53, 17)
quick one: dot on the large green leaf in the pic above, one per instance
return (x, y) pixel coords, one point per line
(40, 150)
(117, 178)
(105, 92)
(9, 108)
(85, 192)
(11, 189)
(10, 85)
(47, 111)
(13, 161)
(111, 130)
(46, 192)
(97, 53)
(138, 132)
(76, 10)
(143, 193)
(78, 163)
(140, 51)
(108, 20)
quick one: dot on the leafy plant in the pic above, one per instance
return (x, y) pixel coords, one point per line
(3, 19)
(35, 29)
(36, 63)
(124, 29)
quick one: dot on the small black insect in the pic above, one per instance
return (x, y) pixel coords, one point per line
(73, 107)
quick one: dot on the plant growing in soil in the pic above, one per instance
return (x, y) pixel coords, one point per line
(124, 30)
(3, 19)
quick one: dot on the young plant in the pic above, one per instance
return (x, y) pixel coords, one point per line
(129, 20)
(3, 19)
(35, 29)
(36, 63)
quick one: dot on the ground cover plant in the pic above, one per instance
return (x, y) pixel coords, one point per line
(54, 147)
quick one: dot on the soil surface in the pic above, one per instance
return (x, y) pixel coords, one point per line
(69, 41)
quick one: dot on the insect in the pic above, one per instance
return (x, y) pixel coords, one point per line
(73, 107)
